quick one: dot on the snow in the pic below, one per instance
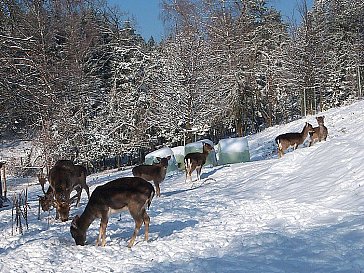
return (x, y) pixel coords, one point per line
(232, 145)
(300, 213)
(179, 155)
(233, 150)
(162, 152)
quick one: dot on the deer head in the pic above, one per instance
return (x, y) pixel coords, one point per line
(63, 209)
(42, 181)
(320, 120)
(162, 161)
(46, 202)
(78, 235)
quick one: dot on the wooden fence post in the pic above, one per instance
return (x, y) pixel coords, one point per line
(2, 179)
(4, 182)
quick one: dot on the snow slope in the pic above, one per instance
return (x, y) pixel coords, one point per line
(301, 213)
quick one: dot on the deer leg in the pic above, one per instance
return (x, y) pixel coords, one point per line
(87, 189)
(101, 239)
(75, 197)
(280, 150)
(187, 169)
(198, 171)
(79, 191)
(38, 209)
(137, 216)
(146, 219)
(282, 153)
(158, 189)
(190, 172)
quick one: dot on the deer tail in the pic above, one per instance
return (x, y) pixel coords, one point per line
(149, 200)
(188, 164)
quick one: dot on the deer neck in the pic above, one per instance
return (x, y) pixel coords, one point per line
(321, 128)
(86, 218)
(304, 132)
(164, 171)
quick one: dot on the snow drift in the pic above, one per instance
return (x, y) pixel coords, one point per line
(302, 213)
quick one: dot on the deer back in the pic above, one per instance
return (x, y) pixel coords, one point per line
(122, 192)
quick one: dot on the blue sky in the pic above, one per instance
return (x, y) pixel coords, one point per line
(148, 23)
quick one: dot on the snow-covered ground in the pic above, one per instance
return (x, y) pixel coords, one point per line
(301, 213)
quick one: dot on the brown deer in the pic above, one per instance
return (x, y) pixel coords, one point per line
(195, 161)
(287, 140)
(126, 193)
(46, 201)
(319, 133)
(156, 172)
(64, 177)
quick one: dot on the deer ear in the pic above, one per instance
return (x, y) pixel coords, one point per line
(168, 157)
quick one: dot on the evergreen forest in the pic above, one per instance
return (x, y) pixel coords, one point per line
(77, 78)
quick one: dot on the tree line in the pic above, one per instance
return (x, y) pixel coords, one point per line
(77, 78)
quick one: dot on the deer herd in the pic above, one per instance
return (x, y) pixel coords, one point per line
(288, 140)
(133, 194)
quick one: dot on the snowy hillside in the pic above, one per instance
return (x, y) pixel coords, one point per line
(301, 213)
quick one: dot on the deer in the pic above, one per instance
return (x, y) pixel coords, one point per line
(46, 201)
(127, 193)
(156, 172)
(287, 140)
(64, 177)
(195, 161)
(319, 133)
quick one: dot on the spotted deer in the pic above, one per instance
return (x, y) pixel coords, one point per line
(156, 172)
(195, 161)
(319, 133)
(287, 140)
(126, 193)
